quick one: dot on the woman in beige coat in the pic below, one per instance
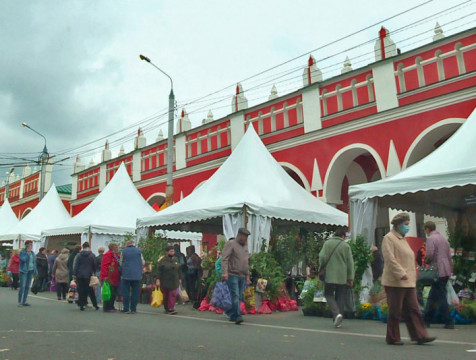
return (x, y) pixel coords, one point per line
(399, 279)
(61, 273)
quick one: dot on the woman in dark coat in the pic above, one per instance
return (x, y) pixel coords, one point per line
(169, 279)
(84, 268)
(42, 267)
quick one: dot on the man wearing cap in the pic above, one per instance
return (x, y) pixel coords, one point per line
(235, 270)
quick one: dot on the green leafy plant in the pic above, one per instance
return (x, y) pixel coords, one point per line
(264, 265)
(362, 255)
(152, 248)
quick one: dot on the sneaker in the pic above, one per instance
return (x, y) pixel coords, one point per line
(172, 312)
(125, 311)
(26, 304)
(395, 343)
(133, 312)
(238, 321)
(338, 321)
(20, 305)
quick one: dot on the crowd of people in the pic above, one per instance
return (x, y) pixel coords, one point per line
(124, 271)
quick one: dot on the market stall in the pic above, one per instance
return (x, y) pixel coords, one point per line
(7, 221)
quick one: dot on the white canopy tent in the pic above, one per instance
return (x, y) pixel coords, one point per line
(249, 185)
(49, 212)
(8, 218)
(440, 184)
(110, 216)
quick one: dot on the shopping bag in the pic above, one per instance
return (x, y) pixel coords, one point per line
(94, 281)
(243, 308)
(221, 296)
(182, 295)
(451, 295)
(264, 309)
(204, 306)
(36, 287)
(106, 291)
(52, 284)
(157, 298)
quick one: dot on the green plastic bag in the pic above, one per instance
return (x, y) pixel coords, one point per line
(106, 291)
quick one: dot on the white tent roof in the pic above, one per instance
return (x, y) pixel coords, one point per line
(452, 164)
(7, 218)
(113, 211)
(251, 177)
(48, 213)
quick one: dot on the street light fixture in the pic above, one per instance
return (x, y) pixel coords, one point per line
(43, 160)
(169, 192)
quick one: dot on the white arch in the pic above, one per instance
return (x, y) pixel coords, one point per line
(424, 133)
(346, 156)
(23, 215)
(155, 194)
(298, 172)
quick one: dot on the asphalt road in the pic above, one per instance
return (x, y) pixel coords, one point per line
(50, 329)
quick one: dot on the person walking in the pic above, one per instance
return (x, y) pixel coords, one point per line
(110, 273)
(61, 274)
(84, 267)
(235, 267)
(194, 272)
(131, 264)
(182, 259)
(169, 279)
(71, 258)
(101, 250)
(399, 280)
(336, 257)
(27, 270)
(51, 262)
(14, 268)
(438, 254)
(42, 267)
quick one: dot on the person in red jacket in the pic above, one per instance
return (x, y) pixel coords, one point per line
(14, 268)
(110, 273)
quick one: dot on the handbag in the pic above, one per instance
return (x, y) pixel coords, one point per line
(106, 291)
(322, 268)
(94, 281)
(427, 275)
(182, 295)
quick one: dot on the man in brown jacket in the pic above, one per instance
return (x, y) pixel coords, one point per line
(235, 270)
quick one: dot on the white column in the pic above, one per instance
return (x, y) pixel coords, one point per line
(136, 165)
(237, 126)
(22, 184)
(311, 109)
(180, 151)
(74, 187)
(385, 86)
(102, 176)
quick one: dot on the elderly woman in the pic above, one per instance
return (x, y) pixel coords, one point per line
(169, 279)
(61, 273)
(399, 279)
(110, 273)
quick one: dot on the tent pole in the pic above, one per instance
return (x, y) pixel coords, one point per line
(90, 236)
(246, 217)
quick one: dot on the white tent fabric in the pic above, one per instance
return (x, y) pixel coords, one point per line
(8, 218)
(110, 216)
(250, 177)
(452, 164)
(48, 213)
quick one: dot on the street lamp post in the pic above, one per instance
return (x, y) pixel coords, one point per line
(43, 160)
(7, 187)
(169, 191)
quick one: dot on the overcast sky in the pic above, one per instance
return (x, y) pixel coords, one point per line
(71, 69)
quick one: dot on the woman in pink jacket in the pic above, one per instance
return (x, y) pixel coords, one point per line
(14, 268)
(399, 279)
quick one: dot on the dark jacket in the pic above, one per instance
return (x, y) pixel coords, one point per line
(42, 265)
(51, 262)
(132, 262)
(98, 261)
(168, 272)
(72, 255)
(85, 265)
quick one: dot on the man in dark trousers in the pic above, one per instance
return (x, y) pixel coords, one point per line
(235, 263)
(339, 264)
(132, 263)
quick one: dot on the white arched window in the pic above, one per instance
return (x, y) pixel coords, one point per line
(420, 73)
(339, 97)
(439, 65)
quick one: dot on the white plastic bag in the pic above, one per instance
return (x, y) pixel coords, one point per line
(451, 295)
